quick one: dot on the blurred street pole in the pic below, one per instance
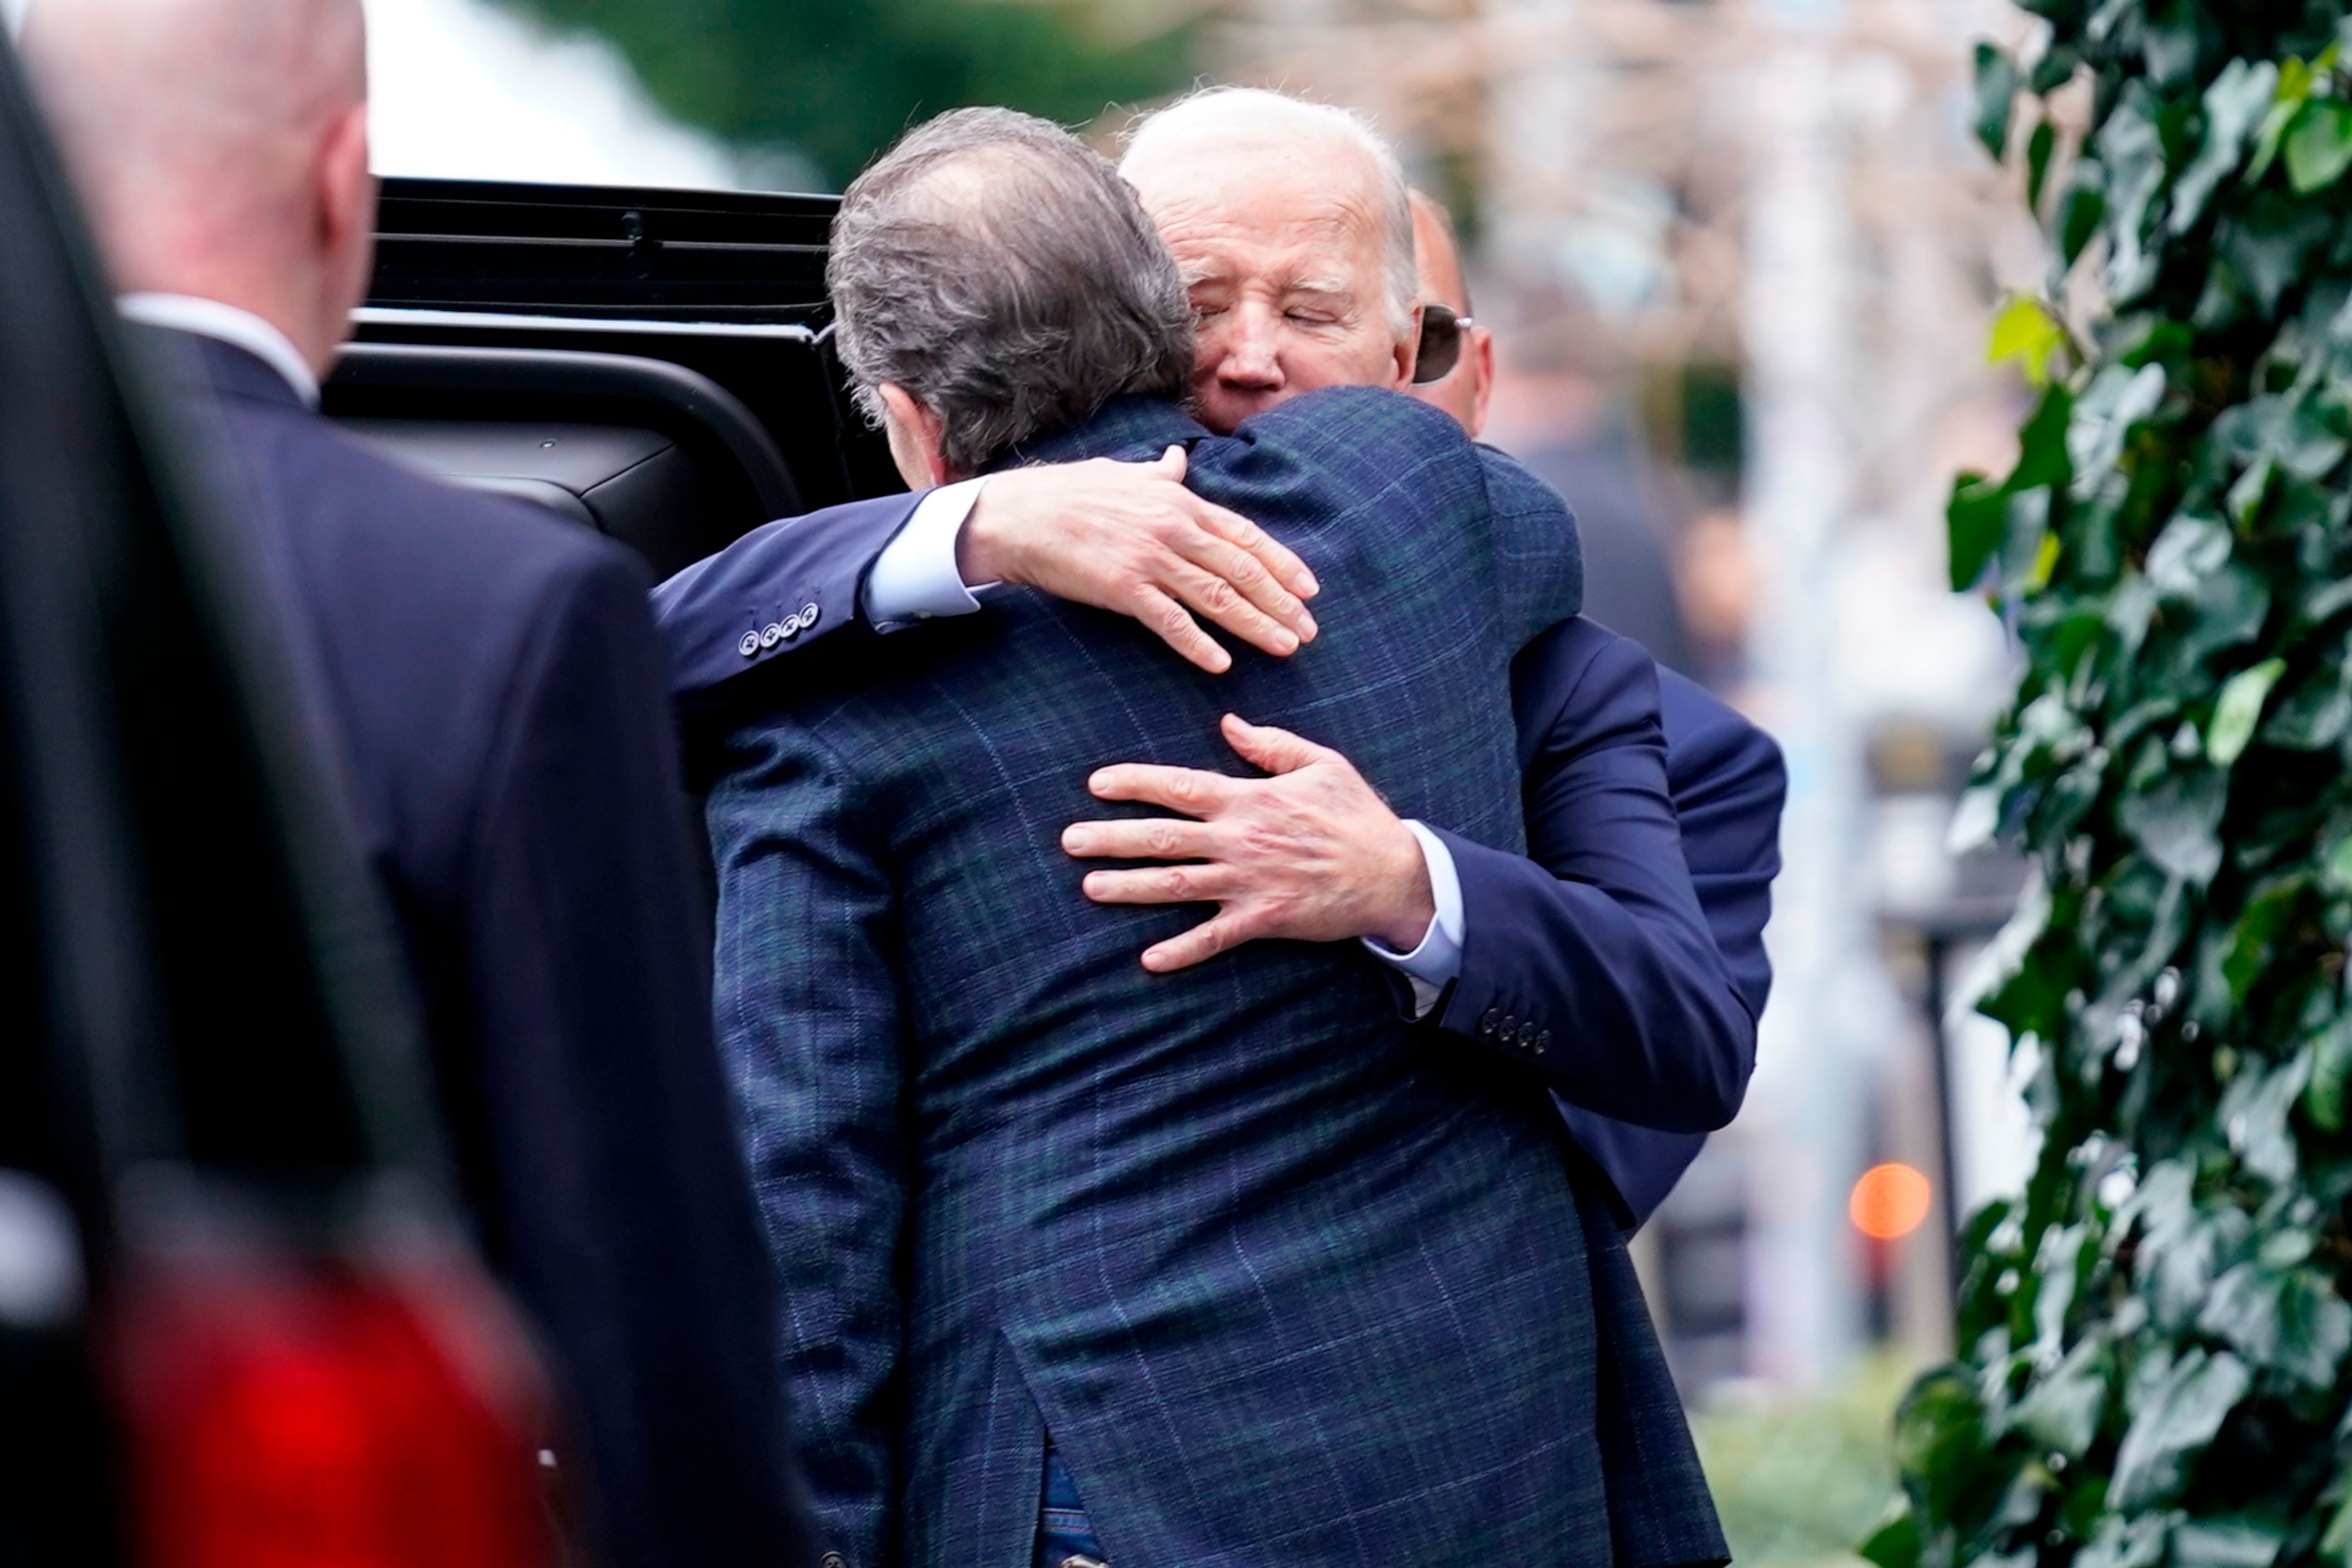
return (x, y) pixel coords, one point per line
(1809, 1100)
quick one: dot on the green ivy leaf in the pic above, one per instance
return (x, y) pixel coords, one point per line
(2331, 1060)
(2131, 147)
(1895, 1542)
(2061, 1413)
(2117, 398)
(2082, 208)
(2253, 1116)
(2038, 148)
(2269, 245)
(2027, 333)
(2336, 1545)
(1975, 520)
(2318, 145)
(2284, 1321)
(2042, 446)
(2239, 709)
(1939, 1438)
(2184, 1412)
(2234, 107)
(2237, 1542)
(1997, 84)
(2177, 823)
(2126, 1542)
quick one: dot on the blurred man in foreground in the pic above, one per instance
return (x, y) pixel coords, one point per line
(1725, 774)
(489, 682)
(1221, 1265)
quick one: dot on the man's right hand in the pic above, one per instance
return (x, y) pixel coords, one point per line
(1129, 538)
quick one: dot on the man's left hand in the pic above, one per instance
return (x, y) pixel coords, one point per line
(1312, 853)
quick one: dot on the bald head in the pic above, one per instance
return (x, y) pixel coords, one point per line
(221, 146)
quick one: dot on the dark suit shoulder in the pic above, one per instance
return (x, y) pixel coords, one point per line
(1715, 753)
(429, 612)
(1340, 419)
(1314, 457)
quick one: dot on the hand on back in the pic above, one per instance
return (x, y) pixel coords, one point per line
(1311, 853)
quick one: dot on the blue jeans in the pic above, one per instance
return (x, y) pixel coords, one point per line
(1065, 1537)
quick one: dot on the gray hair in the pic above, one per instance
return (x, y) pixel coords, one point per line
(1242, 115)
(1003, 274)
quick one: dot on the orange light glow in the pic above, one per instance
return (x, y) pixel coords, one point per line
(1889, 1201)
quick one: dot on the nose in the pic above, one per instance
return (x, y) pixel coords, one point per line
(1253, 351)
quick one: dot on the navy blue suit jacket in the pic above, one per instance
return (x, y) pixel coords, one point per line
(491, 676)
(1555, 933)
(1549, 940)
(1284, 1276)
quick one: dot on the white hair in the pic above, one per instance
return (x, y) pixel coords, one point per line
(1253, 116)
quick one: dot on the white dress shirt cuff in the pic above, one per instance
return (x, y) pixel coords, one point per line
(915, 577)
(1432, 967)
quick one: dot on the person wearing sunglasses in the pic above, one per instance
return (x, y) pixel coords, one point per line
(1453, 367)
(1725, 774)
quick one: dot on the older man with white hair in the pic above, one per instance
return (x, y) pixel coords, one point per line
(488, 689)
(1293, 226)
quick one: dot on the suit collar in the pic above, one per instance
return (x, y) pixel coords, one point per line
(1130, 427)
(222, 369)
(225, 327)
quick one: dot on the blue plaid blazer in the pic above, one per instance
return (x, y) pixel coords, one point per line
(1286, 1280)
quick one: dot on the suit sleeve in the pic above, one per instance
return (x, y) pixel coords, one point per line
(715, 616)
(620, 1193)
(1588, 960)
(1728, 786)
(810, 1024)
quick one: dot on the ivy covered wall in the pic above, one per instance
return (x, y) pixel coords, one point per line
(2154, 1338)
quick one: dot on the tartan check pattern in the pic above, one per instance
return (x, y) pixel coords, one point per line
(1289, 1282)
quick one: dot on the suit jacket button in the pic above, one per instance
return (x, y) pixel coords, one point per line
(772, 633)
(832, 1560)
(1509, 1027)
(1487, 1020)
(1542, 1040)
(750, 647)
(808, 615)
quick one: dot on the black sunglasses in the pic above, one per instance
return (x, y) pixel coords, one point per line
(1441, 332)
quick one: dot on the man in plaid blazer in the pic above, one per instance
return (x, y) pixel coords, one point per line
(1276, 1281)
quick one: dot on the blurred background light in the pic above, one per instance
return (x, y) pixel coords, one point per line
(1889, 1201)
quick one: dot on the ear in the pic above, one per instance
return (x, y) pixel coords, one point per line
(918, 438)
(345, 214)
(1407, 351)
(1481, 365)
